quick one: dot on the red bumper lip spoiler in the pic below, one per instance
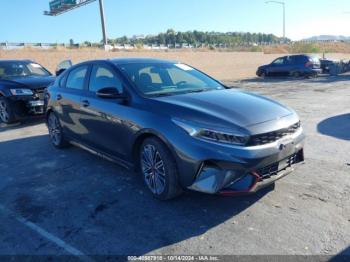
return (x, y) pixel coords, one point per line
(257, 179)
(258, 183)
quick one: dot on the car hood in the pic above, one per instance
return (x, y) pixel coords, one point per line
(264, 66)
(228, 106)
(32, 82)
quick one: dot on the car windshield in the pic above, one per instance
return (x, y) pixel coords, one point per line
(21, 69)
(164, 79)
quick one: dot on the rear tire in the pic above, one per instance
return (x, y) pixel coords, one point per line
(159, 170)
(55, 131)
(6, 111)
(296, 74)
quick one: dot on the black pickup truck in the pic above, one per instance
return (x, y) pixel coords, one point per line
(22, 89)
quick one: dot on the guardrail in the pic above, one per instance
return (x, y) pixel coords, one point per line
(11, 46)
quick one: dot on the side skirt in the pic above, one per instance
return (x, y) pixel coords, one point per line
(116, 160)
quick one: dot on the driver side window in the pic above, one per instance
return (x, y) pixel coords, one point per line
(102, 77)
(278, 61)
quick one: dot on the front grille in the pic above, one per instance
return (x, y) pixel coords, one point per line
(39, 93)
(275, 168)
(271, 137)
(269, 171)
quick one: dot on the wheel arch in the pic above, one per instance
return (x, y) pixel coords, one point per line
(48, 111)
(147, 134)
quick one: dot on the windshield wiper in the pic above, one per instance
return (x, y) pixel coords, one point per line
(199, 90)
(182, 92)
(162, 94)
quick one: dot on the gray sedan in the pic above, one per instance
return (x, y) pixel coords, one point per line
(179, 127)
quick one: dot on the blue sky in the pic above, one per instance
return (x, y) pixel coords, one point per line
(23, 20)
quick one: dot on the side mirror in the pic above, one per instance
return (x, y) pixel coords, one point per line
(109, 92)
(60, 71)
(63, 66)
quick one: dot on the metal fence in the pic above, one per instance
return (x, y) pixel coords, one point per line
(14, 46)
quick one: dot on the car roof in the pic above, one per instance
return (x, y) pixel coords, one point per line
(139, 60)
(15, 60)
(305, 55)
(123, 61)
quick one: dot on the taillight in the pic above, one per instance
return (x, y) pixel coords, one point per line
(309, 64)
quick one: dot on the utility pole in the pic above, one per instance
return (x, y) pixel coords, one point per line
(284, 16)
(105, 40)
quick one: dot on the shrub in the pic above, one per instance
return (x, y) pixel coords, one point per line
(305, 48)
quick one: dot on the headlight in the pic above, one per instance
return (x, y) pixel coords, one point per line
(212, 135)
(21, 92)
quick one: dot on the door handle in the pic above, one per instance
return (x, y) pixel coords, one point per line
(59, 97)
(85, 103)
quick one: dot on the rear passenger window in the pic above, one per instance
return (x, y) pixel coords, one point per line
(293, 60)
(76, 78)
(102, 77)
(289, 60)
(302, 59)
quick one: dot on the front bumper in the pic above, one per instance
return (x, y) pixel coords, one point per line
(257, 180)
(249, 175)
(27, 105)
(35, 107)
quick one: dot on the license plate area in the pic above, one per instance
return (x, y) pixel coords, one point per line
(36, 103)
(277, 167)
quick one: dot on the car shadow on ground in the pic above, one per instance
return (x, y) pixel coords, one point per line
(31, 121)
(331, 79)
(272, 79)
(319, 79)
(337, 126)
(99, 207)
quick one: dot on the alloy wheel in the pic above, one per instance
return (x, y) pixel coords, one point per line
(296, 74)
(4, 115)
(153, 169)
(54, 129)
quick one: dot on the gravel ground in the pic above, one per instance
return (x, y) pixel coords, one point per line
(71, 202)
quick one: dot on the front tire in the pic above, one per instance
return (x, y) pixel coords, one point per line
(263, 74)
(55, 131)
(159, 170)
(6, 111)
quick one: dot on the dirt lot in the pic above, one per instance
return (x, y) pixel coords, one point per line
(222, 65)
(71, 202)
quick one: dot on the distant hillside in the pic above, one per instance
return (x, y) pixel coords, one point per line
(328, 38)
(195, 38)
